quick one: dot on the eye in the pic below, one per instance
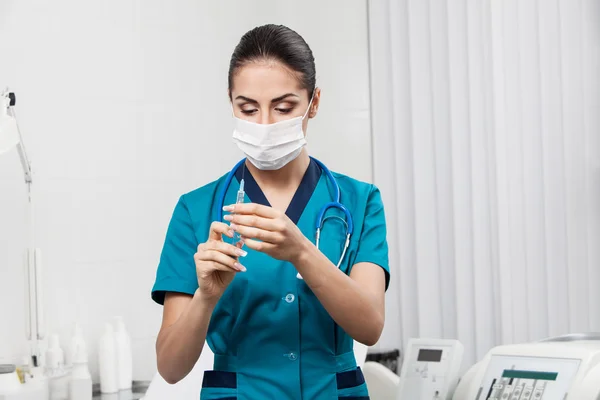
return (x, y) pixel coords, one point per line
(249, 112)
(285, 107)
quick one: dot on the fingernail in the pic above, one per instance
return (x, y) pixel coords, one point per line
(228, 218)
(227, 208)
(233, 226)
(230, 232)
(241, 253)
(239, 267)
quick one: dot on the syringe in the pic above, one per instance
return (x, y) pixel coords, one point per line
(237, 238)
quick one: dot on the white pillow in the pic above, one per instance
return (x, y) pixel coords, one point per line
(360, 353)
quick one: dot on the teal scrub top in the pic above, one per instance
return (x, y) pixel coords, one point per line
(271, 337)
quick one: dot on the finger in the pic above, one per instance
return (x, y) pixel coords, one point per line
(219, 258)
(254, 221)
(253, 208)
(219, 228)
(263, 247)
(225, 248)
(256, 233)
(215, 266)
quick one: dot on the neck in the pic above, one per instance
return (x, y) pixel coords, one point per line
(290, 175)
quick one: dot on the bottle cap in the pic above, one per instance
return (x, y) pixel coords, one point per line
(80, 354)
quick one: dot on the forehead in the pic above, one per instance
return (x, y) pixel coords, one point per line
(265, 79)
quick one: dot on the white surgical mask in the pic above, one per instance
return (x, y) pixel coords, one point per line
(270, 146)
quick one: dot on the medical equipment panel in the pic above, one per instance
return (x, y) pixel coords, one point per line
(528, 378)
(555, 369)
(430, 369)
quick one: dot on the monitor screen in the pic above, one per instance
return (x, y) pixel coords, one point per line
(429, 355)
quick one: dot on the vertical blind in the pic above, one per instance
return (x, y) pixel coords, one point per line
(486, 147)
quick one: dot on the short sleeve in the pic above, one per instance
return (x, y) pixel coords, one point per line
(373, 246)
(176, 270)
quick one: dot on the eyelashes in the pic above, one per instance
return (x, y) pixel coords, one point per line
(278, 109)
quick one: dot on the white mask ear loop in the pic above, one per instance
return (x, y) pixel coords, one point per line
(309, 103)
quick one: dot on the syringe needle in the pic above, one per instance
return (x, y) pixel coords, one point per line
(237, 238)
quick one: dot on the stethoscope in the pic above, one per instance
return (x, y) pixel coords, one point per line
(321, 218)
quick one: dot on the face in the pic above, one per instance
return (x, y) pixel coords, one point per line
(267, 92)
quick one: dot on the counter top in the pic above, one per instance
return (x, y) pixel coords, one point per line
(122, 395)
(137, 392)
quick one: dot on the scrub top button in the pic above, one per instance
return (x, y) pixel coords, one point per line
(290, 298)
(292, 356)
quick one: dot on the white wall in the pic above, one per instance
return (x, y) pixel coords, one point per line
(486, 147)
(123, 107)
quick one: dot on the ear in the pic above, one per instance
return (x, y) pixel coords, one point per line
(314, 108)
(230, 101)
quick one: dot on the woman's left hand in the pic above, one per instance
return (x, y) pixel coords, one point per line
(267, 230)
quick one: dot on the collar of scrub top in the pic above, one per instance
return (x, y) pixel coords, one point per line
(321, 218)
(300, 199)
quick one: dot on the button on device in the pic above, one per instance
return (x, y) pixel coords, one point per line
(290, 298)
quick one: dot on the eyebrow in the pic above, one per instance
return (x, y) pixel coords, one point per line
(275, 100)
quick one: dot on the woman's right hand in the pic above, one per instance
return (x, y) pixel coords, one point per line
(217, 262)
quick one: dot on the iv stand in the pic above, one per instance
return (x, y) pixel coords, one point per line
(35, 324)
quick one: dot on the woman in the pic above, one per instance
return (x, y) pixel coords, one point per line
(277, 311)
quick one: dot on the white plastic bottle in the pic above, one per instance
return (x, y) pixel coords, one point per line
(55, 357)
(107, 360)
(124, 355)
(80, 384)
(58, 378)
(76, 341)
